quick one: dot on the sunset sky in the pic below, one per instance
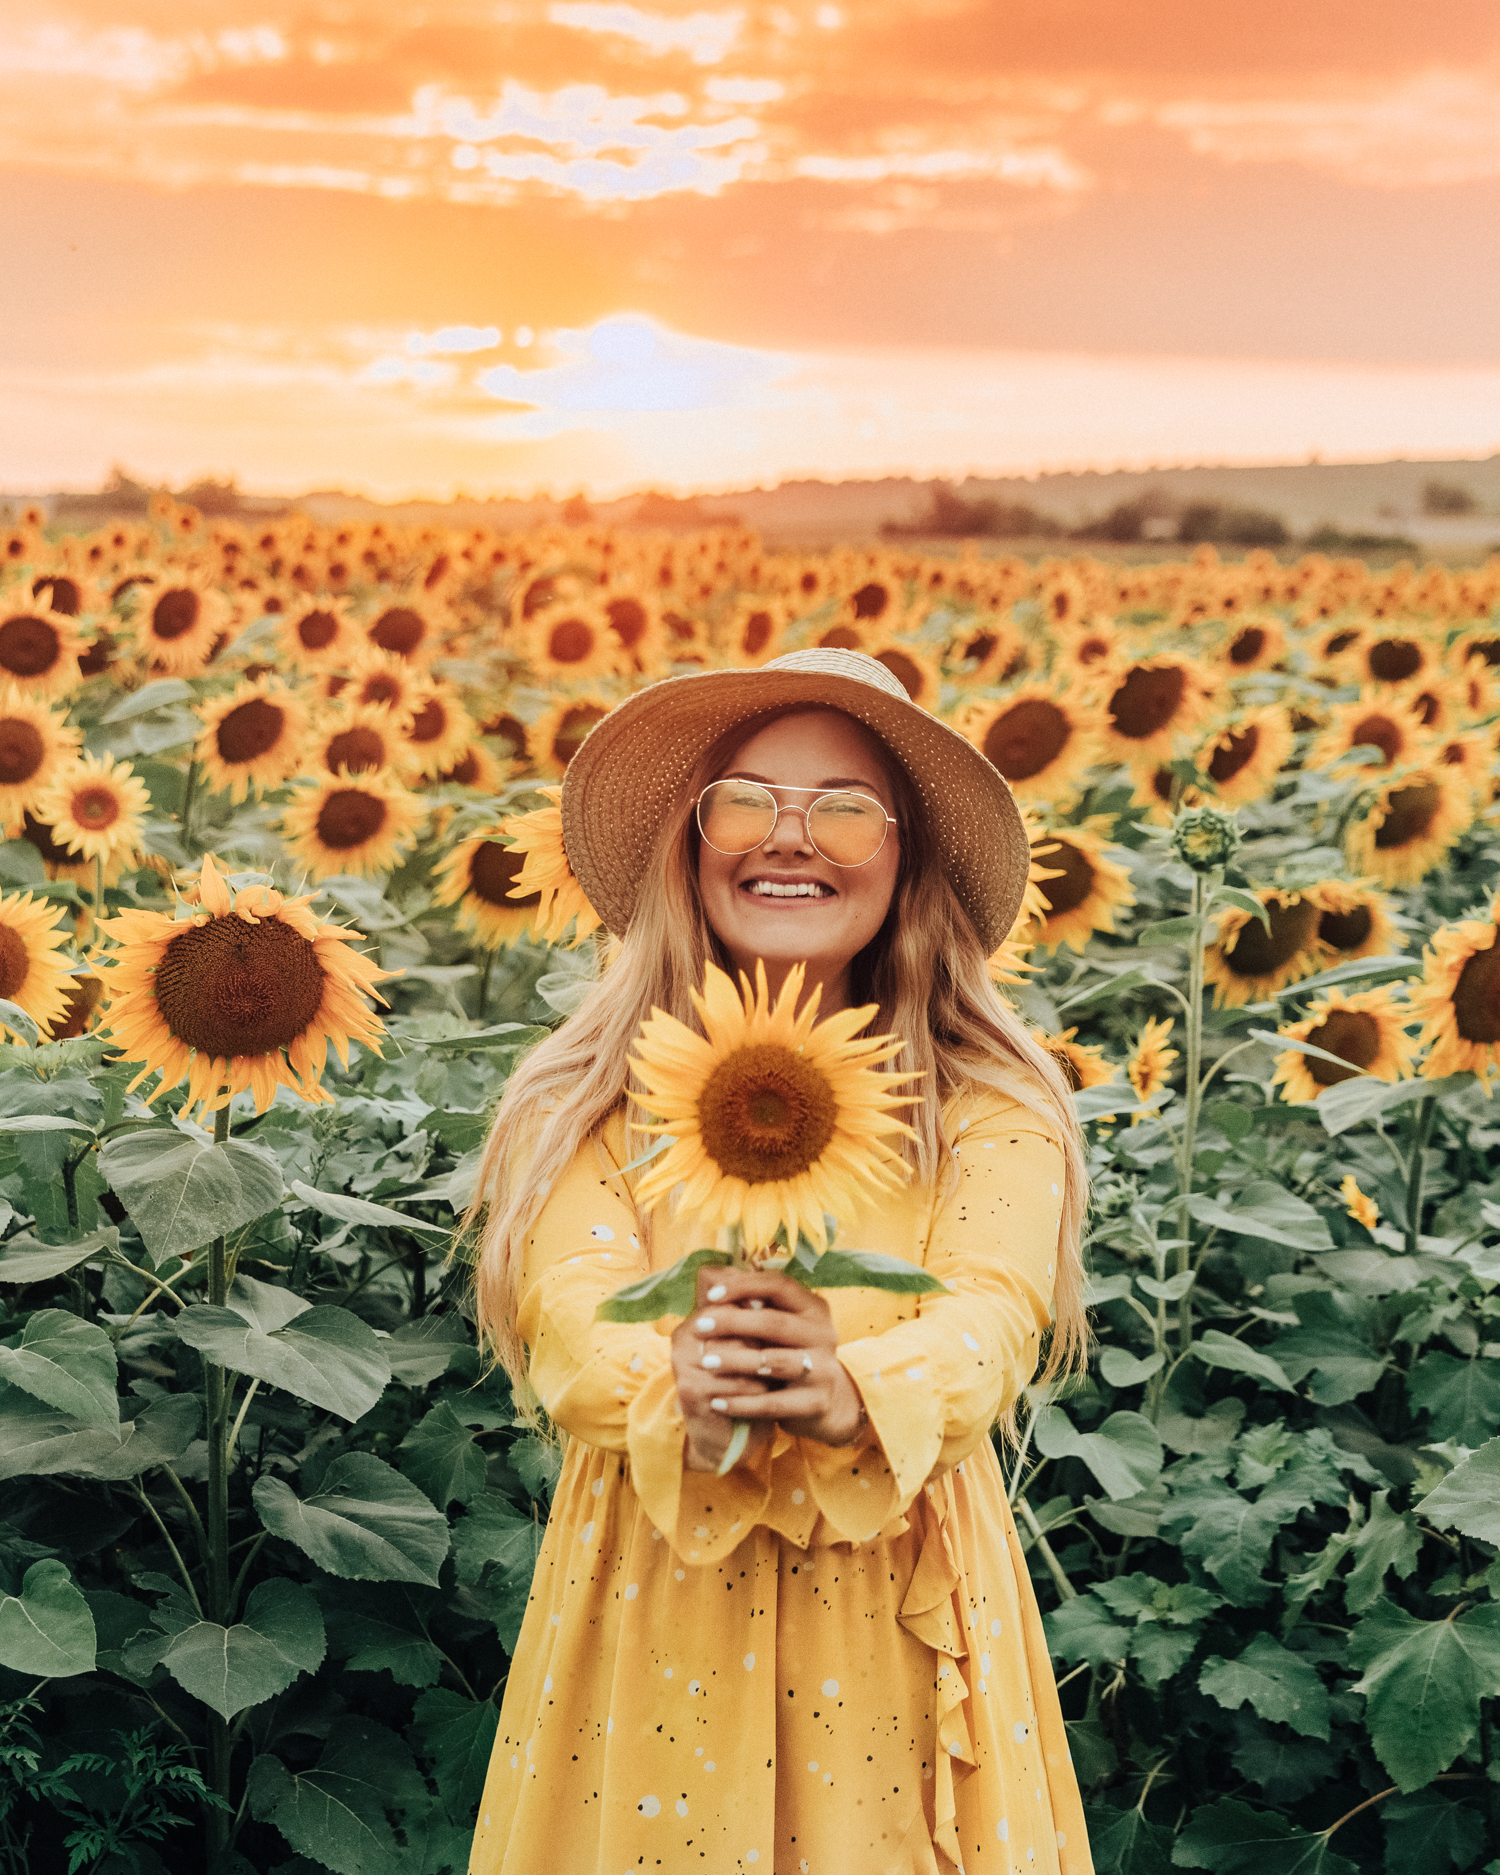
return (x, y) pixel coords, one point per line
(418, 248)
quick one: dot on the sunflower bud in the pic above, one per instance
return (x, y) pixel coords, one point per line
(1205, 838)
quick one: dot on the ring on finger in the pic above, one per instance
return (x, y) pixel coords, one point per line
(806, 1362)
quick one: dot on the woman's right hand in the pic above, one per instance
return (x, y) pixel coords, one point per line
(709, 1430)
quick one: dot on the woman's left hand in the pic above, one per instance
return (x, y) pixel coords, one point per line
(791, 1340)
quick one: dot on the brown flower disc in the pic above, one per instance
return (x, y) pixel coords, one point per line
(756, 634)
(22, 750)
(437, 572)
(628, 619)
(1248, 646)
(1147, 701)
(430, 721)
(1025, 738)
(1076, 881)
(84, 995)
(15, 961)
(766, 1114)
(509, 729)
(1092, 651)
(95, 808)
(1340, 642)
(350, 817)
(1060, 606)
(66, 594)
(493, 871)
(904, 669)
(1476, 998)
(1410, 812)
(1428, 707)
(980, 646)
(1236, 749)
(1486, 649)
(98, 658)
(380, 687)
(251, 730)
(1161, 784)
(570, 641)
(571, 731)
(872, 600)
(1393, 660)
(40, 837)
(355, 751)
(842, 638)
(400, 630)
(1259, 953)
(1351, 1034)
(29, 647)
(232, 988)
(175, 613)
(465, 773)
(1381, 731)
(316, 629)
(1346, 930)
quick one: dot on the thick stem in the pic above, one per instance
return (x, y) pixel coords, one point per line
(484, 983)
(1192, 1097)
(215, 1392)
(1049, 1556)
(186, 816)
(1415, 1169)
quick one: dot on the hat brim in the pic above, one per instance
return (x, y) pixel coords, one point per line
(633, 765)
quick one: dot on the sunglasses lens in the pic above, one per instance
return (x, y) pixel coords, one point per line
(848, 829)
(736, 816)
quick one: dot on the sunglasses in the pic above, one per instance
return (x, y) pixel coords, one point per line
(845, 828)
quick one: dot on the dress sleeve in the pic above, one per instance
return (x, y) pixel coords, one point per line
(611, 1384)
(934, 1386)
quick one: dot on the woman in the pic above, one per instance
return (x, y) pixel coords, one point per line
(829, 1660)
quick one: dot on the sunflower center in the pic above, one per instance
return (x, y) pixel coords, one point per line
(981, 645)
(842, 638)
(22, 750)
(40, 836)
(871, 600)
(510, 730)
(315, 630)
(1026, 738)
(28, 646)
(1248, 646)
(1428, 707)
(97, 657)
(904, 669)
(766, 1114)
(1346, 930)
(1232, 754)
(15, 961)
(250, 731)
(1476, 998)
(1259, 953)
(464, 774)
(627, 616)
(175, 613)
(400, 630)
(1147, 701)
(84, 995)
(1340, 642)
(1486, 648)
(349, 817)
(353, 751)
(570, 641)
(65, 594)
(1411, 812)
(232, 988)
(96, 808)
(383, 687)
(1351, 1034)
(1393, 660)
(571, 731)
(1092, 651)
(1381, 731)
(493, 870)
(1069, 891)
(429, 722)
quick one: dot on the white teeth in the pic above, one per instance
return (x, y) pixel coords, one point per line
(767, 888)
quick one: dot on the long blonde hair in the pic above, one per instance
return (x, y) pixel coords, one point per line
(926, 970)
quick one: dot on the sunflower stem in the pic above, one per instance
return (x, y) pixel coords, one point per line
(215, 1404)
(98, 943)
(1421, 1133)
(484, 983)
(186, 817)
(1192, 1096)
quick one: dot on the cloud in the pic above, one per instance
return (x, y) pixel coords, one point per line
(705, 37)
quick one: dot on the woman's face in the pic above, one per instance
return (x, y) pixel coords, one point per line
(827, 927)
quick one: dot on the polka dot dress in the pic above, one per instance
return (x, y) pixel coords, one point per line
(831, 1660)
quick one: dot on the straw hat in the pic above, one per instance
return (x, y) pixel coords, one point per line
(634, 764)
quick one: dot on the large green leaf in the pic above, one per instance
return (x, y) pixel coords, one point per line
(422, 1351)
(69, 1363)
(440, 1455)
(325, 1355)
(47, 1630)
(1124, 1454)
(1265, 1209)
(372, 1645)
(1081, 1629)
(1389, 1540)
(1232, 1839)
(1423, 1681)
(1283, 1687)
(1217, 1349)
(181, 1190)
(457, 1735)
(1463, 1397)
(1429, 1832)
(670, 1291)
(367, 1522)
(1468, 1499)
(35, 1438)
(24, 1260)
(351, 1210)
(494, 1531)
(1124, 1843)
(869, 1269)
(1334, 1345)
(229, 1669)
(336, 1812)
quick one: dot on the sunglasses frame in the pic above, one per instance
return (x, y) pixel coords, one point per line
(821, 794)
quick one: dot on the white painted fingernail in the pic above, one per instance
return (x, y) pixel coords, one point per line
(704, 1324)
(719, 1406)
(717, 1293)
(713, 1360)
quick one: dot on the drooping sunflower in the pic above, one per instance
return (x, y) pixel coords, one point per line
(481, 877)
(33, 967)
(1087, 888)
(252, 737)
(1094, 658)
(93, 808)
(35, 745)
(1244, 758)
(318, 634)
(356, 824)
(557, 734)
(179, 622)
(1411, 825)
(1253, 644)
(440, 730)
(1471, 754)
(571, 641)
(1374, 719)
(355, 741)
(1368, 1030)
(1480, 645)
(560, 899)
(1041, 738)
(238, 992)
(83, 993)
(1083, 1064)
(1155, 707)
(1356, 922)
(776, 1118)
(754, 630)
(1146, 1069)
(39, 645)
(1246, 963)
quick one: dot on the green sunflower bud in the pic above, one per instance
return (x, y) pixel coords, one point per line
(1206, 838)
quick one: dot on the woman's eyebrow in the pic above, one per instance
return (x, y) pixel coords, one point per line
(828, 781)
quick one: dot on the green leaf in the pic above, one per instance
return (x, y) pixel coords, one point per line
(1423, 1681)
(1112, 987)
(152, 696)
(1243, 901)
(37, 1439)
(1232, 1839)
(494, 1531)
(457, 1735)
(1141, 1597)
(336, 1813)
(24, 1260)
(1389, 1540)
(325, 1355)
(440, 1455)
(869, 1269)
(1288, 1044)
(229, 1669)
(1356, 969)
(15, 1018)
(1124, 1843)
(1430, 1832)
(1169, 931)
(1200, 1436)
(1351, 1103)
(46, 1123)
(502, 1035)
(1463, 1397)
(1468, 1499)
(1235, 1121)
(21, 864)
(181, 1191)
(1124, 1370)
(1159, 1652)
(1083, 1630)
(1092, 1751)
(1334, 1345)
(369, 1645)
(1095, 1103)
(1216, 1349)
(350, 1210)
(1172, 1290)
(671, 1291)
(367, 1522)
(1124, 1454)
(47, 1631)
(69, 1363)
(1283, 1688)
(421, 1351)
(1265, 1209)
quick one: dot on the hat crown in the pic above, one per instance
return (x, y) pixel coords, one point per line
(830, 661)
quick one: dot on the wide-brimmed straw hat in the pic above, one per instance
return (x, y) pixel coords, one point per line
(633, 765)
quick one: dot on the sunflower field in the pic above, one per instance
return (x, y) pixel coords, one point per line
(283, 899)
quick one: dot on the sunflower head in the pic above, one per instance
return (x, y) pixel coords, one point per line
(33, 966)
(361, 824)
(252, 737)
(545, 878)
(94, 808)
(35, 745)
(39, 645)
(1367, 1030)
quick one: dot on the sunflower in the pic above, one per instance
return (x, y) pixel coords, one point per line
(1063, 600)
(252, 737)
(1096, 656)
(318, 635)
(1146, 1070)
(754, 631)
(1356, 921)
(1244, 758)
(358, 824)
(354, 741)
(992, 645)
(35, 744)
(572, 640)
(71, 593)
(1247, 964)
(412, 628)
(1376, 719)
(1254, 644)
(1083, 1064)
(1086, 891)
(636, 621)
(440, 730)
(93, 808)
(480, 876)
(1470, 753)
(39, 646)
(918, 675)
(477, 769)
(1458, 998)
(556, 735)
(1009, 962)
(1479, 646)
(178, 625)
(1039, 737)
(1358, 1204)
(59, 861)
(848, 635)
(1368, 1030)
(1411, 825)
(1388, 657)
(500, 724)
(83, 994)
(776, 1119)
(237, 993)
(378, 678)
(33, 970)
(1337, 643)
(546, 873)
(1158, 703)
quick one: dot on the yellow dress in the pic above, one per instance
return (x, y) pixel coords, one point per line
(831, 1661)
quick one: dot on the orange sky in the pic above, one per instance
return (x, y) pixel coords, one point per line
(579, 243)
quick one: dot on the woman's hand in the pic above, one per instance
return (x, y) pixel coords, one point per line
(773, 1364)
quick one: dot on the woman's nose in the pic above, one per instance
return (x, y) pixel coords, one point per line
(790, 832)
